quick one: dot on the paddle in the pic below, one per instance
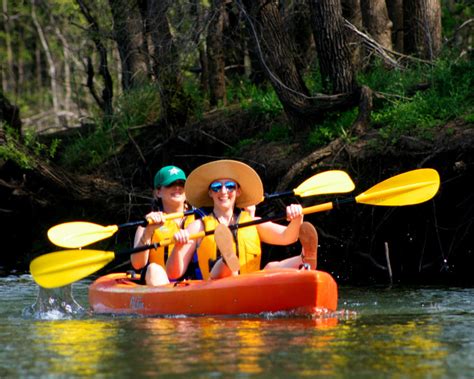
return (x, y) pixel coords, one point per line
(65, 267)
(79, 234)
(409, 188)
(76, 234)
(68, 266)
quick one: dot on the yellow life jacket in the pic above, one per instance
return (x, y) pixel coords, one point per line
(164, 232)
(249, 248)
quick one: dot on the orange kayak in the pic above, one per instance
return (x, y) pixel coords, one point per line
(301, 292)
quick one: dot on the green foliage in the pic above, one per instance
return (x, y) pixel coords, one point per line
(33, 148)
(29, 102)
(244, 143)
(137, 107)
(313, 79)
(89, 151)
(194, 93)
(257, 99)
(30, 140)
(449, 95)
(469, 117)
(9, 151)
(454, 13)
(277, 132)
(334, 125)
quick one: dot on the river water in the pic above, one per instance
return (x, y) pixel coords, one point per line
(378, 332)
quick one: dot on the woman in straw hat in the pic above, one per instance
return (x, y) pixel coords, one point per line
(228, 186)
(168, 197)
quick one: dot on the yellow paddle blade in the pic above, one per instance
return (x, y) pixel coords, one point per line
(412, 187)
(334, 181)
(65, 267)
(79, 233)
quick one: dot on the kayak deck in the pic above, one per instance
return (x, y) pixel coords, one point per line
(300, 291)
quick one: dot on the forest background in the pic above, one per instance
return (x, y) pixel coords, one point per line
(97, 95)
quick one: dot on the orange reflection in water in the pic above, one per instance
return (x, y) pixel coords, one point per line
(223, 344)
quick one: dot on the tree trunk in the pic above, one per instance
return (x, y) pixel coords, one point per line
(164, 55)
(38, 67)
(376, 21)
(233, 41)
(8, 77)
(422, 27)
(297, 21)
(332, 47)
(276, 52)
(128, 31)
(10, 115)
(51, 64)
(395, 12)
(351, 11)
(197, 12)
(21, 67)
(105, 100)
(67, 73)
(215, 53)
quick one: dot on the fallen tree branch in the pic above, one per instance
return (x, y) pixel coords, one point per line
(380, 50)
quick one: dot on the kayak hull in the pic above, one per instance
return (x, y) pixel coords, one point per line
(301, 292)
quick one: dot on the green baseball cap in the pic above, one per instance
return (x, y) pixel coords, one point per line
(167, 175)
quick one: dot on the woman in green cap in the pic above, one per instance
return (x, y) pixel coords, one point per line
(168, 197)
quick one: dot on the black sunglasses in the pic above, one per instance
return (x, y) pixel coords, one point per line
(217, 186)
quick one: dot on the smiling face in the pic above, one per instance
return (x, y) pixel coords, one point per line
(224, 192)
(172, 195)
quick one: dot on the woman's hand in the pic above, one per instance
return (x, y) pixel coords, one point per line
(181, 237)
(155, 218)
(294, 211)
(250, 209)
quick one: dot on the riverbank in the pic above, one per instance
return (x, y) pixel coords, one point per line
(426, 243)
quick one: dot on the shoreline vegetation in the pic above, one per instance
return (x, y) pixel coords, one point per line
(87, 146)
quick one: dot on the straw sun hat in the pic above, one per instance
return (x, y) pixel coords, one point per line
(199, 180)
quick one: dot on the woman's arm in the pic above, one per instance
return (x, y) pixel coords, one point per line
(276, 234)
(143, 236)
(140, 259)
(183, 250)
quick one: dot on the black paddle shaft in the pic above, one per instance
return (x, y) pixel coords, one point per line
(144, 222)
(336, 203)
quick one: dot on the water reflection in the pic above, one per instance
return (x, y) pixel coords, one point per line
(406, 332)
(224, 345)
(73, 347)
(387, 346)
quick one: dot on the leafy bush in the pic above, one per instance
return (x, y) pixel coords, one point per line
(448, 95)
(277, 132)
(33, 148)
(136, 107)
(260, 100)
(335, 125)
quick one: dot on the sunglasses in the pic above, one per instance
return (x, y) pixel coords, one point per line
(176, 183)
(217, 186)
